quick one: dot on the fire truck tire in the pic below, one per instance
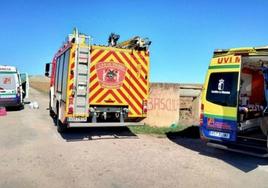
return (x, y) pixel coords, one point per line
(61, 127)
(51, 112)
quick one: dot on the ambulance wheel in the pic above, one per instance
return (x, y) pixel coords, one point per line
(21, 107)
(61, 127)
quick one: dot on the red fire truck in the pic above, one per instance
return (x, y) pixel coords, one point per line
(97, 85)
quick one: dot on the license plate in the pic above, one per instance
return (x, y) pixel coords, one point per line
(7, 96)
(77, 119)
(219, 134)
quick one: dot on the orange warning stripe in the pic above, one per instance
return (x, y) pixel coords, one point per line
(103, 96)
(134, 68)
(116, 97)
(102, 59)
(129, 102)
(119, 101)
(96, 55)
(133, 89)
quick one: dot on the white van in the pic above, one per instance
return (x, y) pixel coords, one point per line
(13, 87)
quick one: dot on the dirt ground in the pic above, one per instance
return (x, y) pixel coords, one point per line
(33, 154)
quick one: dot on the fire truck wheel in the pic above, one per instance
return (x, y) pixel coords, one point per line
(61, 127)
(51, 113)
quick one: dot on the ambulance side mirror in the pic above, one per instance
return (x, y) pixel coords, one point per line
(47, 69)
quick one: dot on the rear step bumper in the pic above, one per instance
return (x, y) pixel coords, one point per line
(240, 149)
(117, 124)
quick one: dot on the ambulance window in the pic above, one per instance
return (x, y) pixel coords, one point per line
(8, 81)
(222, 88)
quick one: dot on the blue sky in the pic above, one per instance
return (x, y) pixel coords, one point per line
(183, 33)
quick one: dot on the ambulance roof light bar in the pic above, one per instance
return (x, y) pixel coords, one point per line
(6, 68)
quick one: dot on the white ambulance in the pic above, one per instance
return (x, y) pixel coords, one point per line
(13, 87)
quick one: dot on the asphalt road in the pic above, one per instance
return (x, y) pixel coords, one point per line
(33, 154)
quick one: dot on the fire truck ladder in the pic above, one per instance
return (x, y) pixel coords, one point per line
(81, 81)
(136, 43)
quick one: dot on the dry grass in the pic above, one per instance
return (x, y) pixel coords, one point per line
(40, 86)
(160, 131)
